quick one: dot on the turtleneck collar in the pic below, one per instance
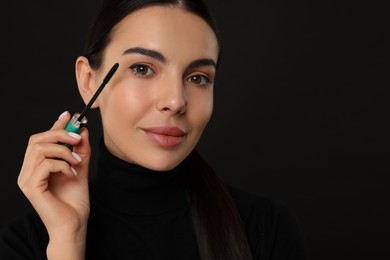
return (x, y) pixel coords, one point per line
(134, 190)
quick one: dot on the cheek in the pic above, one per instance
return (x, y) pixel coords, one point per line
(122, 104)
(200, 111)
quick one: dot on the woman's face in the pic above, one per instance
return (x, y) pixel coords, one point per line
(159, 101)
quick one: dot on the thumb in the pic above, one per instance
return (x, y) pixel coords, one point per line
(83, 148)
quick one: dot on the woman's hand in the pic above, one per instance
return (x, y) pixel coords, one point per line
(55, 181)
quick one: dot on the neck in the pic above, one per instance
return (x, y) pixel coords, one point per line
(134, 190)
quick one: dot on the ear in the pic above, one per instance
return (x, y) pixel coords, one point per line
(85, 80)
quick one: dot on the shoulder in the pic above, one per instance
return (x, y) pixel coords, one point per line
(273, 229)
(252, 205)
(24, 237)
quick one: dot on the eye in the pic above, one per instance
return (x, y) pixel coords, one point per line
(200, 80)
(142, 70)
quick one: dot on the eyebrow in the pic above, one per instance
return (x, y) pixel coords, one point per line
(147, 52)
(160, 57)
(202, 63)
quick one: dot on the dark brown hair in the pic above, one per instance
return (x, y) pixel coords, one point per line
(218, 228)
(113, 11)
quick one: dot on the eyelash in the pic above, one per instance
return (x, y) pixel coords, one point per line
(205, 80)
(135, 68)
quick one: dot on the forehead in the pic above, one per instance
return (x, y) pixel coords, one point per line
(167, 29)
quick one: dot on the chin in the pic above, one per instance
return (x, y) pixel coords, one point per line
(163, 162)
(162, 166)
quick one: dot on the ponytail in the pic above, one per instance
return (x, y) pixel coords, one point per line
(218, 227)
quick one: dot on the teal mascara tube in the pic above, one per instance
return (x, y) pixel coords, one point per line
(79, 120)
(74, 125)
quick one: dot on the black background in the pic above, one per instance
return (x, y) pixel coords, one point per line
(301, 108)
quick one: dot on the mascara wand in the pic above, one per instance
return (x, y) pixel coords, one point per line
(104, 83)
(79, 120)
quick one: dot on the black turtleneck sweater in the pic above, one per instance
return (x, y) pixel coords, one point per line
(141, 214)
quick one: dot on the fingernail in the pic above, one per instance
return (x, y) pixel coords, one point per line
(75, 155)
(62, 115)
(74, 171)
(74, 135)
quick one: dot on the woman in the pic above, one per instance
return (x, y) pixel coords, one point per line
(153, 196)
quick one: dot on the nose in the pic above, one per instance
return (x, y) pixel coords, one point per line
(172, 98)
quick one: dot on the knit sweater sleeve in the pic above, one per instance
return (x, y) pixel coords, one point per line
(285, 236)
(273, 229)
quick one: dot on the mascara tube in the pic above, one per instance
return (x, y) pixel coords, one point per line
(74, 126)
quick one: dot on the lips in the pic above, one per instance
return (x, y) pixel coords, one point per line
(165, 136)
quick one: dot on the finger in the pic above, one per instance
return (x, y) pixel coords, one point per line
(59, 152)
(48, 136)
(50, 166)
(55, 136)
(41, 152)
(62, 121)
(38, 182)
(45, 145)
(83, 148)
